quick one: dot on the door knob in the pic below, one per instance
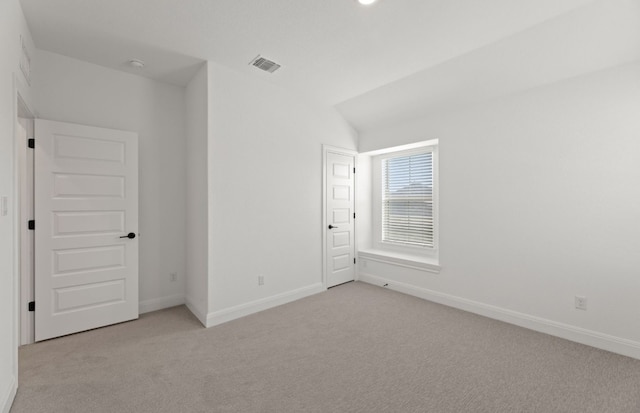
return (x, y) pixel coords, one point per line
(332, 227)
(130, 235)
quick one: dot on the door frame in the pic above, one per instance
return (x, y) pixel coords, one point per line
(22, 107)
(326, 149)
(24, 165)
(23, 257)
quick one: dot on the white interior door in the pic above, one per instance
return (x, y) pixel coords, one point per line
(86, 201)
(339, 209)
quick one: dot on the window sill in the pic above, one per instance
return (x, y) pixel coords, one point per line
(415, 262)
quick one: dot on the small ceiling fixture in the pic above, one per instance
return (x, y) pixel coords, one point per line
(264, 64)
(136, 63)
(366, 2)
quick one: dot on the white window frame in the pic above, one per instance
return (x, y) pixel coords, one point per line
(377, 241)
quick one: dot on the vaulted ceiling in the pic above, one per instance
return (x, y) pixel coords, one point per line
(377, 64)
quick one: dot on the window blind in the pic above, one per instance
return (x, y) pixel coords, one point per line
(407, 200)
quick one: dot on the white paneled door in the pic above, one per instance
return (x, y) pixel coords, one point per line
(86, 228)
(340, 248)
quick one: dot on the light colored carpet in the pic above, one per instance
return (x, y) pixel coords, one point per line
(355, 348)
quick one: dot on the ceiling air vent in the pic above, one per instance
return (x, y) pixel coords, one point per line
(265, 64)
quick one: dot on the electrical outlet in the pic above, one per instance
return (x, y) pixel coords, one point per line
(173, 276)
(260, 279)
(581, 302)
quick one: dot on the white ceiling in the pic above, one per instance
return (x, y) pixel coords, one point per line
(600, 35)
(335, 51)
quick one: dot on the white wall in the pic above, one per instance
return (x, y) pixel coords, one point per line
(73, 91)
(364, 200)
(197, 131)
(12, 26)
(266, 181)
(539, 203)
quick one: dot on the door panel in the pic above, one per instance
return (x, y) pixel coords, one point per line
(98, 222)
(86, 199)
(340, 238)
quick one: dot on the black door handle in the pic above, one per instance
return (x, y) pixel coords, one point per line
(332, 227)
(130, 235)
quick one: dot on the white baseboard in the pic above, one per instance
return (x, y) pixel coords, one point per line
(195, 310)
(9, 395)
(591, 338)
(228, 314)
(155, 304)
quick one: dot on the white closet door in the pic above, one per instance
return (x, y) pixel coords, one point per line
(340, 265)
(86, 228)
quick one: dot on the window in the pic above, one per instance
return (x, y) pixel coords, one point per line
(405, 191)
(407, 200)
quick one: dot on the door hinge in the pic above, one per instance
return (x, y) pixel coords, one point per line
(354, 215)
(32, 306)
(32, 224)
(354, 170)
(354, 260)
(31, 143)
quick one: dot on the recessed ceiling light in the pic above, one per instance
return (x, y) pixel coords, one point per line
(366, 2)
(136, 63)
